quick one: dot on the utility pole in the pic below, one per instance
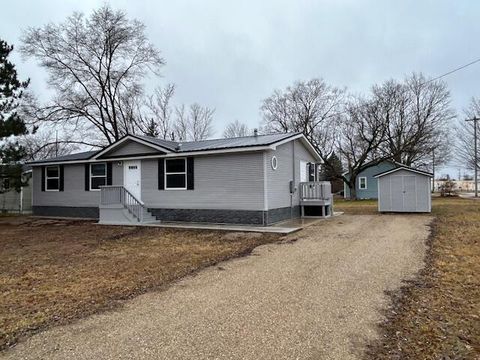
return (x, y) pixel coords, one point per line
(475, 119)
(56, 143)
(433, 171)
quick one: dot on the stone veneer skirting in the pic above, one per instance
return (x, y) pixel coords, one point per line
(219, 216)
(66, 211)
(223, 216)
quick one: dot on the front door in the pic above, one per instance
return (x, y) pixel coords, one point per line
(132, 177)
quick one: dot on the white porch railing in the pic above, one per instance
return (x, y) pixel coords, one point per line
(117, 194)
(315, 190)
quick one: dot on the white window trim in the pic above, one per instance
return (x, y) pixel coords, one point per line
(360, 183)
(52, 177)
(175, 173)
(97, 176)
(274, 162)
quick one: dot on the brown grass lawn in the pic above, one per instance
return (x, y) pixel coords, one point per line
(357, 207)
(436, 316)
(52, 272)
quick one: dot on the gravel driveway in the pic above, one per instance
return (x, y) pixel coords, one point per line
(315, 298)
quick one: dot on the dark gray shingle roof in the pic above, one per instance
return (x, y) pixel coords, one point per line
(217, 144)
(188, 146)
(72, 157)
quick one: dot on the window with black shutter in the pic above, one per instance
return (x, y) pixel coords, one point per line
(52, 178)
(176, 174)
(98, 175)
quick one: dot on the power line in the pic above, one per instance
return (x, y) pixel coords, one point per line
(424, 83)
(452, 71)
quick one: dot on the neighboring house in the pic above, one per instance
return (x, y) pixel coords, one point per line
(13, 201)
(246, 180)
(367, 185)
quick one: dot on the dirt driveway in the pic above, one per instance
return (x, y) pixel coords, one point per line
(315, 298)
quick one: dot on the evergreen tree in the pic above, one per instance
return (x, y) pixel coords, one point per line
(333, 172)
(11, 124)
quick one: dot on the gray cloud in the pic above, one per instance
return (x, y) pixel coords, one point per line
(230, 55)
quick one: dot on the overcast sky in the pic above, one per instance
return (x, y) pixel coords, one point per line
(230, 55)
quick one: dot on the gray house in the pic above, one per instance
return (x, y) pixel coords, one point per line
(259, 179)
(367, 184)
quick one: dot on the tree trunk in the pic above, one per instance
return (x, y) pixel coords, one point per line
(353, 190)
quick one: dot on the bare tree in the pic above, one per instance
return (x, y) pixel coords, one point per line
(309, 107)
(158, 120)
(200, 122)
(235, 129)
(96, 66)
(361, 135)
(464, 136)
(417, 115)
(44, 144)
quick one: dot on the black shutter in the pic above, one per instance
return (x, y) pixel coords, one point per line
(109, 173)
(87, 177)
(161, 174)
(190, 173)
(60, 180)
(311, 172)
(43, 178)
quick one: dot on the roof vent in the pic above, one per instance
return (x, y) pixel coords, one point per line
(178, 147)
(255, 132)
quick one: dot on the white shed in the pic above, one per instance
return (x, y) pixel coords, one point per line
(404, 190)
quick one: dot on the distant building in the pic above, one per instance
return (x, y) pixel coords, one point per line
(459, 185)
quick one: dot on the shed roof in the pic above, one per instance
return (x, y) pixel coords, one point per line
(406, 168)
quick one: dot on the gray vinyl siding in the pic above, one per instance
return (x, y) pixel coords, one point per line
(227, 181)
(130, 148)
(13, 201)
(231, 181)
(278, 181)
(393, 198)
(10, 201)
(74, 193)
(27, 196)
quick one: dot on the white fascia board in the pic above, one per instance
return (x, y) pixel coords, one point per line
(305, 142)
(129, 137)
(403, 168)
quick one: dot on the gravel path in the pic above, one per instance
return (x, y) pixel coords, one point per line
(315, 298)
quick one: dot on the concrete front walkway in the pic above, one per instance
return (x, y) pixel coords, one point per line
(284, 227)
(317, 295)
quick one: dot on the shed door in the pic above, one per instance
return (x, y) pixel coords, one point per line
(409, 193)
(396, 192)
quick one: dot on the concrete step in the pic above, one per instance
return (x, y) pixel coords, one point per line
(117, 214)
(148, 217)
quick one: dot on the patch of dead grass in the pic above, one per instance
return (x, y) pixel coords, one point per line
(356, 207)
(53, 272)
(437, 315)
